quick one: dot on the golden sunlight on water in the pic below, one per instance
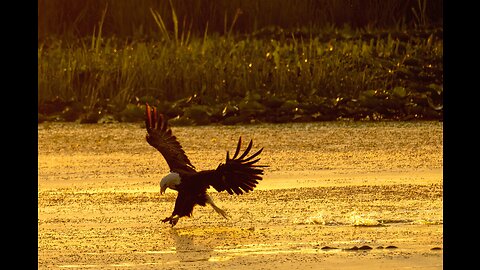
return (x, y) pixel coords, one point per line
(336, 194)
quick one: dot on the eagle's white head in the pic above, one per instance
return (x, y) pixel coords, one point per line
(171, 180)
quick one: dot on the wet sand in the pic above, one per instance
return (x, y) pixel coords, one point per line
(330, 187)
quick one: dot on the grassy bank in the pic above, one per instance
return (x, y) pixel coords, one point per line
(233, 62)
(273, 75)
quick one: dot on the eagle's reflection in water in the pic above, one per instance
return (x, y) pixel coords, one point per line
(187, 250)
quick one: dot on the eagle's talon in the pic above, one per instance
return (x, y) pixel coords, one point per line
(167, 219)
(174, 220)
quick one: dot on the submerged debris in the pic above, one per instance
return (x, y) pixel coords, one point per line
(328, 248)
(355, 248)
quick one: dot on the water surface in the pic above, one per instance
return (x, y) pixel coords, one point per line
(333, 184)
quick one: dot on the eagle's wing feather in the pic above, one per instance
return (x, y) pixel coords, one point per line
(159, 135)
(236, 175)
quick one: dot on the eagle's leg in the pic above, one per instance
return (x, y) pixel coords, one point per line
(216, 208)
(171, 219)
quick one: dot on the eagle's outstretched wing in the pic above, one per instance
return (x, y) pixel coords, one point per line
(159, 135)
(238, 174)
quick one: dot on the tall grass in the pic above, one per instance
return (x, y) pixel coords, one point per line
(219, 68)
(131, 18)
(111, 53)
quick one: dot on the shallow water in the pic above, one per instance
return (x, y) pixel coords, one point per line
(333, 184)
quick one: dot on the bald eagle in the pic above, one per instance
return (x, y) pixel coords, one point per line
(237, 175)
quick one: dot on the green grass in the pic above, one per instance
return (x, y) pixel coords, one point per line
(210, 61)
(221, 70)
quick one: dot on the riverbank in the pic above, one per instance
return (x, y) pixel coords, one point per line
(274, 77)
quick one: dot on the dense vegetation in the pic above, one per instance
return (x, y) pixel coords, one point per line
(239, 61)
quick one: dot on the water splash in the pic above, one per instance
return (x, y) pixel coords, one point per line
(359, 220)
(318, 219)
(427, 222)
